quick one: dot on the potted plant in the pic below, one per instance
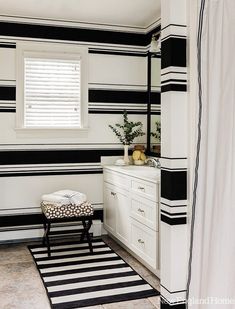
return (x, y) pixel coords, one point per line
(127, 132)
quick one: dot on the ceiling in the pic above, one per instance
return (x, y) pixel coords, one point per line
(131, 13)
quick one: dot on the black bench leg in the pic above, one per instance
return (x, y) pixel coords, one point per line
(48, 239)
(45, 231)
(85, 233)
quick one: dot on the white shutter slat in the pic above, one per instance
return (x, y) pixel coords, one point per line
(52, 92)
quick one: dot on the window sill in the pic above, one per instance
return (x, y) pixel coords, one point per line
(50, 129)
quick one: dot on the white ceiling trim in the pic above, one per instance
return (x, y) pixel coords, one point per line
(75, 24)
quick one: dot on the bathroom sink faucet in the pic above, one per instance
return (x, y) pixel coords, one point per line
(154, 162)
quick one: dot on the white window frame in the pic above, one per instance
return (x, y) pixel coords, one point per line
(50, 51)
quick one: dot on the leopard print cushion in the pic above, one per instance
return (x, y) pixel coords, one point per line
(53, 211)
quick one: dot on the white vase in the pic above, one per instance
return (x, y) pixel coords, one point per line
(126, 157)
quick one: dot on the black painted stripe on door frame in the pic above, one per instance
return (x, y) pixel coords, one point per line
(173, 52)
(15, 29)
(174, 185)
(174, 87)
(174, 221)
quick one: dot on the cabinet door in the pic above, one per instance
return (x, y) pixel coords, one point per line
(109, 208)
(122, 215)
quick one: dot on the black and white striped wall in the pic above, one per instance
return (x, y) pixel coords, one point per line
(174, 154)
(33, 163)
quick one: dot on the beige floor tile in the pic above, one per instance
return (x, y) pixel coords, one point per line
(14, 253)
(132, 304)
(155, 301)
(22, 277)
(154, 281)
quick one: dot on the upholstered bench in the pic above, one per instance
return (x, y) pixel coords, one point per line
(62, 206)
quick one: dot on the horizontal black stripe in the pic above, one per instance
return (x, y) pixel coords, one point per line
(7, 93)
(85, 247)
(97, 288)
(173, 80)
(97, 111)
(173, 51)
(74, 263)
(50, 173)
(173, 221)
(106, 299)
(173, 87)
(118, 53)
(73, 34)
(114, 112)
(2, 45)
(168, 158)
(56, 156)
(7, 110)
(174, 214)
(122, 96)
(33, 219)
(62, 243)
(82, 270)
(174, 185)
(91, 278)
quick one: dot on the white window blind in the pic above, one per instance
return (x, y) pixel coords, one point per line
(52, 92)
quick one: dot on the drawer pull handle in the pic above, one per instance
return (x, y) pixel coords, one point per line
(141, 188)
(113, 193)
(140, 210)
(140, 241)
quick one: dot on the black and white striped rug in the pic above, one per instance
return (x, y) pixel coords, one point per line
(74, 278)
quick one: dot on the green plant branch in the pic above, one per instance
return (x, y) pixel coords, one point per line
(127, 134)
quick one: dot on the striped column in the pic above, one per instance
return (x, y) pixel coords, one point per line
(174, 154)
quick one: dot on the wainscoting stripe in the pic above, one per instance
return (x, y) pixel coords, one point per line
(32, 219)
(50, 173)
(7, 93)
(74, 34)
(121, 96)
(56, 156)
(2, 45)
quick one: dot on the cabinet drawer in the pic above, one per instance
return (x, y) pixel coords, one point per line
(144, 188)
(144, 242)
(145, 211)
(116, 179)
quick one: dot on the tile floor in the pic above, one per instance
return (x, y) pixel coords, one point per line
(21, 286)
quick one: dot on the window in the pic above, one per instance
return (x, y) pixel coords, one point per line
(51, 88)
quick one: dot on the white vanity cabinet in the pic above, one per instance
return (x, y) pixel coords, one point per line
(131, 211)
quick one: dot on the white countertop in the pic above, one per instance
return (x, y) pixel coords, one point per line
(143, 172)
